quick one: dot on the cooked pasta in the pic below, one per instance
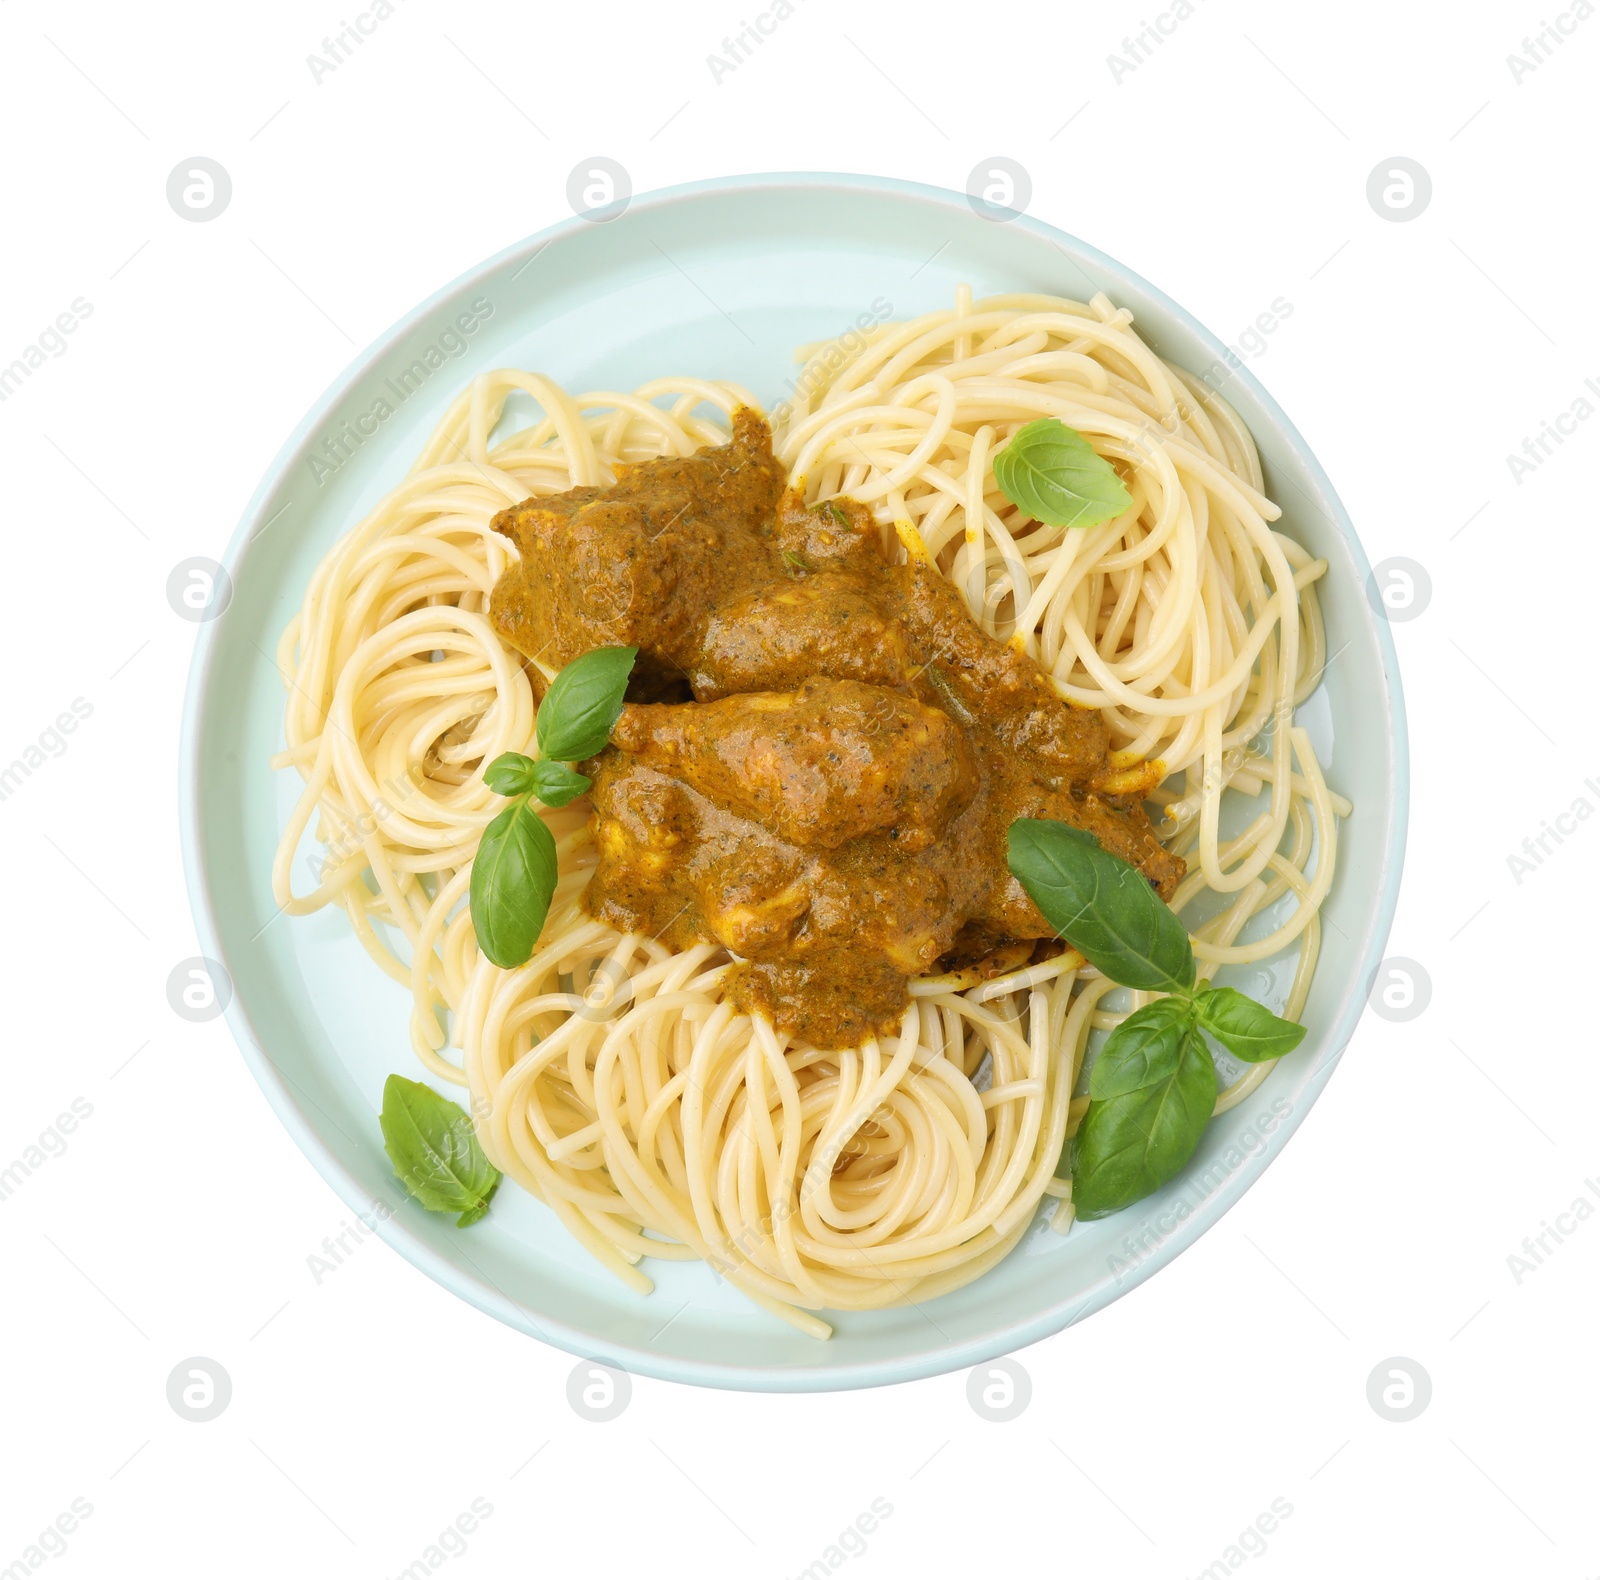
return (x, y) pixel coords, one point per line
(615, 1078)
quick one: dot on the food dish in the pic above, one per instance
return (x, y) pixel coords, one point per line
(992, 559)
(789, 1009)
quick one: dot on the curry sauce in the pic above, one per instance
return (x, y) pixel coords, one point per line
(822, 752)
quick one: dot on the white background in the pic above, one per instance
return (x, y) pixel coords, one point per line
(369, 1410)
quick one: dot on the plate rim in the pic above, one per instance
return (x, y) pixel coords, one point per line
(1004, 1337)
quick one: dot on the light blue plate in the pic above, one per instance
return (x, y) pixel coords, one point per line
(720, 279)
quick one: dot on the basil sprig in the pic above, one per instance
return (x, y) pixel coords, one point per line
(1153, 1085)
(430, 1142)
(1248, 1030)
(514, 872)
(556, 784)
(1055, 474)
(1150, 1097)
(583, 704)
(513, 877)
(1101, 905)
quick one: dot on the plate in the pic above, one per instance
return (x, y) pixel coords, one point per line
(720, 279)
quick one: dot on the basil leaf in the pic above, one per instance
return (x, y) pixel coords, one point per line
(1101, 905)
(1142, 1126)
(583, 704)
(556, 784)
(513, 877)
(1055, 474)
(510, 774)
(1140, 1048)
(430, 1142)
(1248, 1030)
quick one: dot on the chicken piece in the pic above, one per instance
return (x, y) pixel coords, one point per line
(995, 685)
(838, 534)
(790, 630)
(833, 808)
(640, 563)
(833, 761)
(673, 866)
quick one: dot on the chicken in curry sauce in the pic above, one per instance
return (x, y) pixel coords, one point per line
(823, 750)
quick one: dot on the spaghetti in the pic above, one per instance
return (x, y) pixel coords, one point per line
(613, 1077)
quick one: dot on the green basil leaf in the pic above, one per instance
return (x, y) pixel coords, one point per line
(583, 704)
(430, 1142)
(1248, 1030)
(1104, 907)
(556, 784)
(1131, 1143)
(510, 774)
(513, 877)
(1141, 1048)
(1055, 474)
